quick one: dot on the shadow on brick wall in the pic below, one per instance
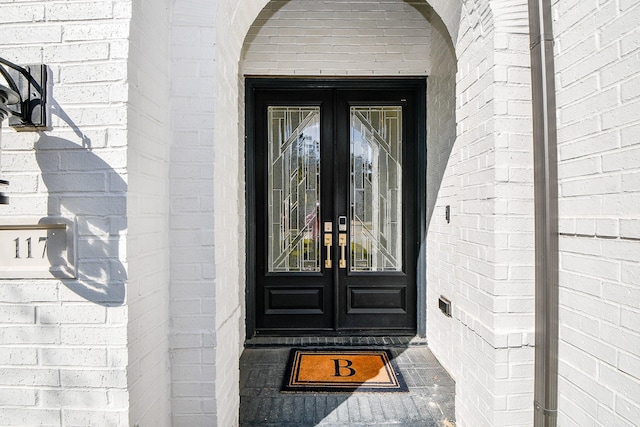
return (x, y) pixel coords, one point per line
(84, 189)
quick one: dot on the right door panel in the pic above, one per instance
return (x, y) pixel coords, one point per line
(376, 191)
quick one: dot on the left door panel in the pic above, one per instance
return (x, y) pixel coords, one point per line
(294, 287)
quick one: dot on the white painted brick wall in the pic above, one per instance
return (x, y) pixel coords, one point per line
(441, 191)
(483, 260)
(63, 352)
(597, 78)
(193, 335)
(361, 38)
(233, 20)
(64, 341)
(149, 136)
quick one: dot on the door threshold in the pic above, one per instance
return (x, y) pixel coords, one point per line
(339, 341)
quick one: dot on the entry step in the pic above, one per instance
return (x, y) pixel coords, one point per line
(346, 341)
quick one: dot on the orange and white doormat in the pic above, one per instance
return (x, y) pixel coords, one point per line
(338, 371)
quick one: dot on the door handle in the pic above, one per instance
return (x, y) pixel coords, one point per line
(342, 242)
(328, 242)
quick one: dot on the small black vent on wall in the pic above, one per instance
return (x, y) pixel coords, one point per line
(445, 306)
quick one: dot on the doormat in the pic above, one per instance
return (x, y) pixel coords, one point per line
(342, 371)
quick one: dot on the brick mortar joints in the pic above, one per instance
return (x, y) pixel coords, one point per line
(496, 334)
(600, 236)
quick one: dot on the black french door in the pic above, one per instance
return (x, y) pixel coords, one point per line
(334, 200)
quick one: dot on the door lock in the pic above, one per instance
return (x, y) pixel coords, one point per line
(342, 223)
(342, 240)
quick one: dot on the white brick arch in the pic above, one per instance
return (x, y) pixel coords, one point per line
(234, 18)
(336, 38)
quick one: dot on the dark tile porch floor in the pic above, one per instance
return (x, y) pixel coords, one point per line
(429, 403)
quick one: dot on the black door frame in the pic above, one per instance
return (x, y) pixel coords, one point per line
(417, 84)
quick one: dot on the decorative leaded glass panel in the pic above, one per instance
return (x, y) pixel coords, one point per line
(376, 189)
(294, 189)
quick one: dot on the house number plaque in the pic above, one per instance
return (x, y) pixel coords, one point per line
(36, 251)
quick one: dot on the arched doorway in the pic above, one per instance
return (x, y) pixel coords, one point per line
(362, 39)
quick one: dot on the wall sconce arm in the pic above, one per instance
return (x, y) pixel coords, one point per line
(30, 83)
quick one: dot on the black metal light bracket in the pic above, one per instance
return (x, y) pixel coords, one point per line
(30, 83)
(4, 200)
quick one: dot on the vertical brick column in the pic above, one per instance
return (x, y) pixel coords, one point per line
(482, 260)
(148, 249)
